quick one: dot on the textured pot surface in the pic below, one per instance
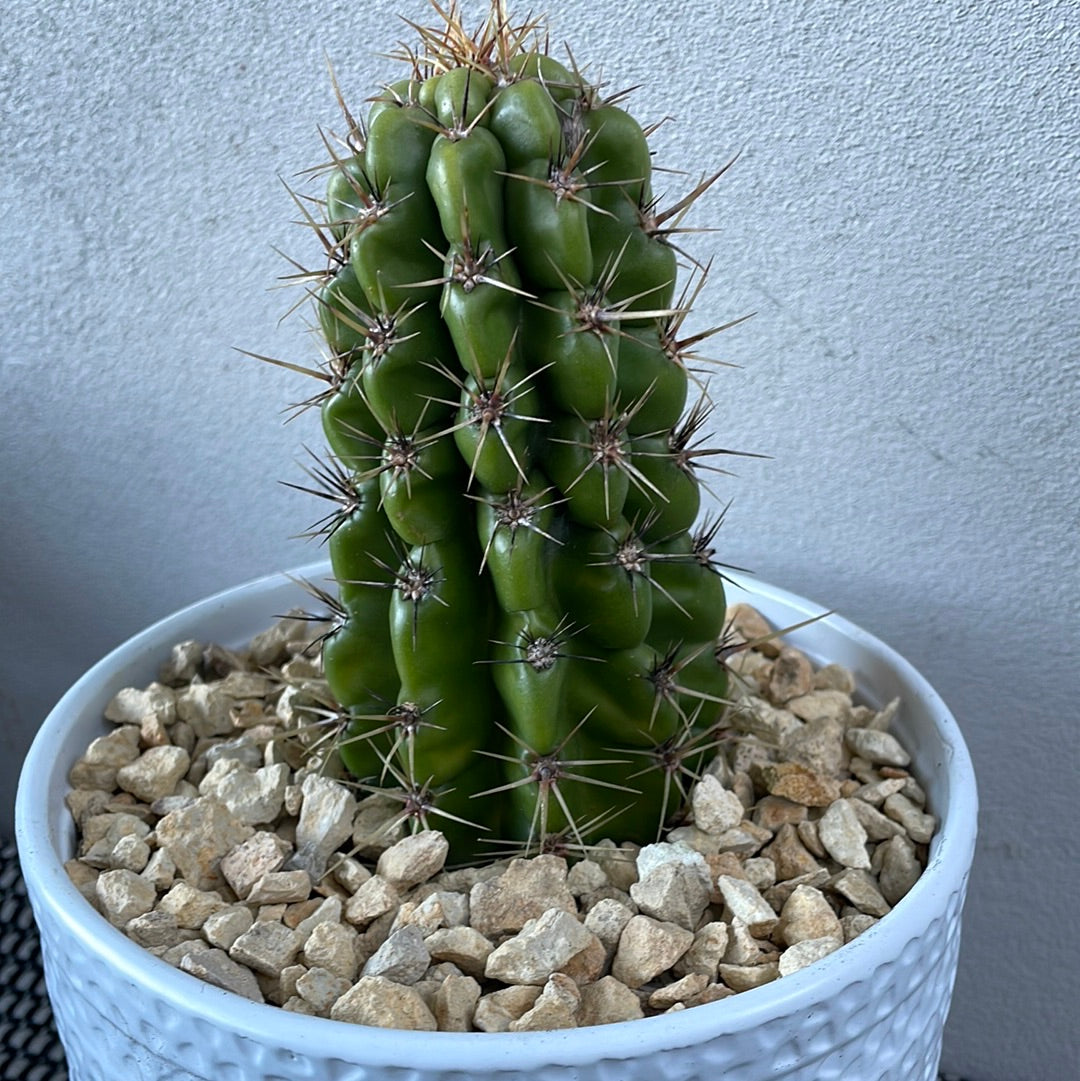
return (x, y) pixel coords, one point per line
(871, 1011)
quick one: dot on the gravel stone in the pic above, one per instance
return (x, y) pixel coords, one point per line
(373, 899)
(648, 947)
(123, 895)
(608, 1001)
(326, 822)
(523, 892)
(792, 675)
(673, 884)
(693, 983)
(413, 859)
(280, 887)
(266, 947)
(191, 908)
(253, 796)
(543, 946)
(154, 773)
(706, 951)
(106, 755)
(747, 977)
(861, 890)
(455, 1003)
(260, 854)
(218, 968)
(197, 837)
(918, 825)
(900, 868)
(715, 808)
(795, 782)
(321, 988)
(224, 926)
(789, 855)
(496, 1011)
(747, 904)
(807, 951)
(462, 946)
(808, 915)
(375, 1000)
(556, 1008)
(878, 748)
(843, 836)
(403, 957)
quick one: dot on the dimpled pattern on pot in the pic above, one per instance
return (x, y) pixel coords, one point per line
(871, 1011)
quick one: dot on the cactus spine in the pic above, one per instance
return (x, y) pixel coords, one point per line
(527, 622)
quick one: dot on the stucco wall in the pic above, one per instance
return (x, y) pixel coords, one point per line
(902, 219)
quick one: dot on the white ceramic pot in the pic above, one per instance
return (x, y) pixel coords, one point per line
(871, 1011)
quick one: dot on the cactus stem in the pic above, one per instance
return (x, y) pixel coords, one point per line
(546, 771)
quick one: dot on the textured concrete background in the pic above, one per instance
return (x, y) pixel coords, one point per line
(903, 220)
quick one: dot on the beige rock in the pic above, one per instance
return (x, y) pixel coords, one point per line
(706, 951)
(413, 859)
(191, 907)
(834, 677)
(760, 872)
(772, 812)
(197, 837)
(585, 877)
(123, 895)
(259, 854)
(900, 868)
(332, 946)
(843, 836)
(321, 988)
(693, 983)
(747, 977)
(254, 797)
(789, 855)
(855, 923)
(105, 756)
(673, 884)
(375, 1000)
(523, 892)
(556, 1008)
(795, 782)
(266, 947)
(280, 887)
(648, 947)
(606, 919)
(807, 951)
(777, 895)
(861, 890)
(403, 957)
(206, 707)
(462, 946)
(154, 773)
(496, 1011)
(715, 809)
(608, 1001)
(819, 745)
(878, 827)
(746, 903)
(878, 748)
(156, 928)
(811, 839)
(217, 968)
(833, 705)
(224, 926)
(743, 948)
(918, 825)
(543, 946)
(133, 705)
(751, 626)
(876, 793)
(455, 1003)
(373, 899)
(130, 854)
(808, 915)
(792, 675)
(326, 822)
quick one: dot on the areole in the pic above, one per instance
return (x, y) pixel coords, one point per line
(872, 1011)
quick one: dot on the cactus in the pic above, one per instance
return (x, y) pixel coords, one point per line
(527, 637)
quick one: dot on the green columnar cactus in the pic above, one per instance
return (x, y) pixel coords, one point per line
(528, 623)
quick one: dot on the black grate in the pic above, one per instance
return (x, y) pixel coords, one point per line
(30, 1049)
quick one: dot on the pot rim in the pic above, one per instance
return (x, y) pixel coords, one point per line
(39, 843)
